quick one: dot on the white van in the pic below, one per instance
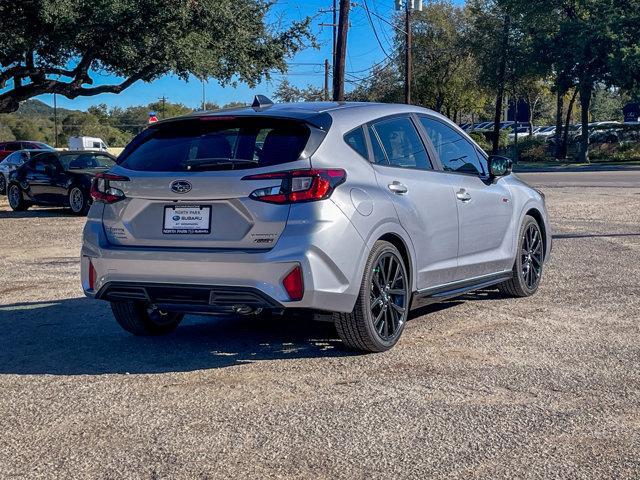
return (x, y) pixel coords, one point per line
(87, 143)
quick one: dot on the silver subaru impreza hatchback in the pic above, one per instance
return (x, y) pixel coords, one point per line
(352, 211)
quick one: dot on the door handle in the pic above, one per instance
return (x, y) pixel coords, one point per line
(463, 195)
(398, 188)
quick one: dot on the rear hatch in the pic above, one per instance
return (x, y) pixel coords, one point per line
(183, 186)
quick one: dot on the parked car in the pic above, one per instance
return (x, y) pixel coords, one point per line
(10, 163)
(57, 179)
(545, 132)
(523, 132)
(7, 148)
(87, 143)
(605, 132)
(358, 211)
(483, 126)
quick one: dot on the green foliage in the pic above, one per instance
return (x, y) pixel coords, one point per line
(484, 138)
(607, 152)
(6, 134)
(383, 85)
(531, 150)
(447, 79)
(57, 45)
(116, 126)
(288, 93)
(607, 104)
(481, 140)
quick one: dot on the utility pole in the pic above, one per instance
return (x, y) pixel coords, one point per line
(163, 99)
(326, 79)
(407, 53)
(55, 121)
(341, 51)
(409, 6)
(334, 29)
(203, 95)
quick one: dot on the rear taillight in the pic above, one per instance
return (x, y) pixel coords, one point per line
(298, 186)
(293, 284)
(102, 191)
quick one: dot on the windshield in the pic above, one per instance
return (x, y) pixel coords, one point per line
(81, 161)
(216, 143)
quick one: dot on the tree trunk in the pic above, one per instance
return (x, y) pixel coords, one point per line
(586, 91)
(502, 70)
(516, 154)
(564, 146)
(559, 111)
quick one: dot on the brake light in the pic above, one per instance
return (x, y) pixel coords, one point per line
(297, 186)
(294, 284)
(102, 191)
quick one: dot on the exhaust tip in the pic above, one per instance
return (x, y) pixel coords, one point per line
(242, 309)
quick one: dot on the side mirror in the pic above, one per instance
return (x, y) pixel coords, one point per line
(499, 166)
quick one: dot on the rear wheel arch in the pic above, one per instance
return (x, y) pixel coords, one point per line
(537, 215)
(397, 241)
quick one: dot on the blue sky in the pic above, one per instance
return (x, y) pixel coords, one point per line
(363, 51)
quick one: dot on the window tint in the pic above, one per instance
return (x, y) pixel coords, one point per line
(455, 152)
(12, 159)
(82, 161)
(216, 144)
(40, 163)
(355, 139)
(401, 143)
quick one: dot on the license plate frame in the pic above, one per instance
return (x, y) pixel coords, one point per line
(194, 220)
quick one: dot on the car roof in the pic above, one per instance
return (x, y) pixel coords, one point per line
(319, 114)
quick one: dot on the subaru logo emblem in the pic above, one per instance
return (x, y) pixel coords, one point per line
(180, 186)
(176, 218)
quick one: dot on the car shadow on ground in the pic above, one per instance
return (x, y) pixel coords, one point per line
(79, 336)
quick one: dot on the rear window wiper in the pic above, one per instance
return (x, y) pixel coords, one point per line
(215, 163)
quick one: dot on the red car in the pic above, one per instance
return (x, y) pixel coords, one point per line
(9, 147)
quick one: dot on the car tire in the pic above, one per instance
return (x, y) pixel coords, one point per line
(3, 184)
(529, 264)
(141, 319)
(16, 200)
(380, 313)
(78, 201)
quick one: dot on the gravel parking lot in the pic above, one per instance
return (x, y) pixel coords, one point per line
(479, 387)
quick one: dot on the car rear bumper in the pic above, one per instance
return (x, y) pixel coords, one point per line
(331, 272)
(190, 298)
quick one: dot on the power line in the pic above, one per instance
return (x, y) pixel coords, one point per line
(375, 33)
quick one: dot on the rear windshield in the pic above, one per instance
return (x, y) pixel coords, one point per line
(216, 143)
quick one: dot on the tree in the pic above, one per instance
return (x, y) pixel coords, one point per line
(288, 93)
(384, 84)
(51, 46)
(234, 104)
(607, 103)
(591, 42)
(447, 72)
(491, 40)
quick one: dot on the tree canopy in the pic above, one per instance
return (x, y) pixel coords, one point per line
(59, 46)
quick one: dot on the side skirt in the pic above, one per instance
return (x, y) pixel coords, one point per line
(437, 294)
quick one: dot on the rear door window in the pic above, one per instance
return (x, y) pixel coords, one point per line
(214, 143)
(401, 144)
